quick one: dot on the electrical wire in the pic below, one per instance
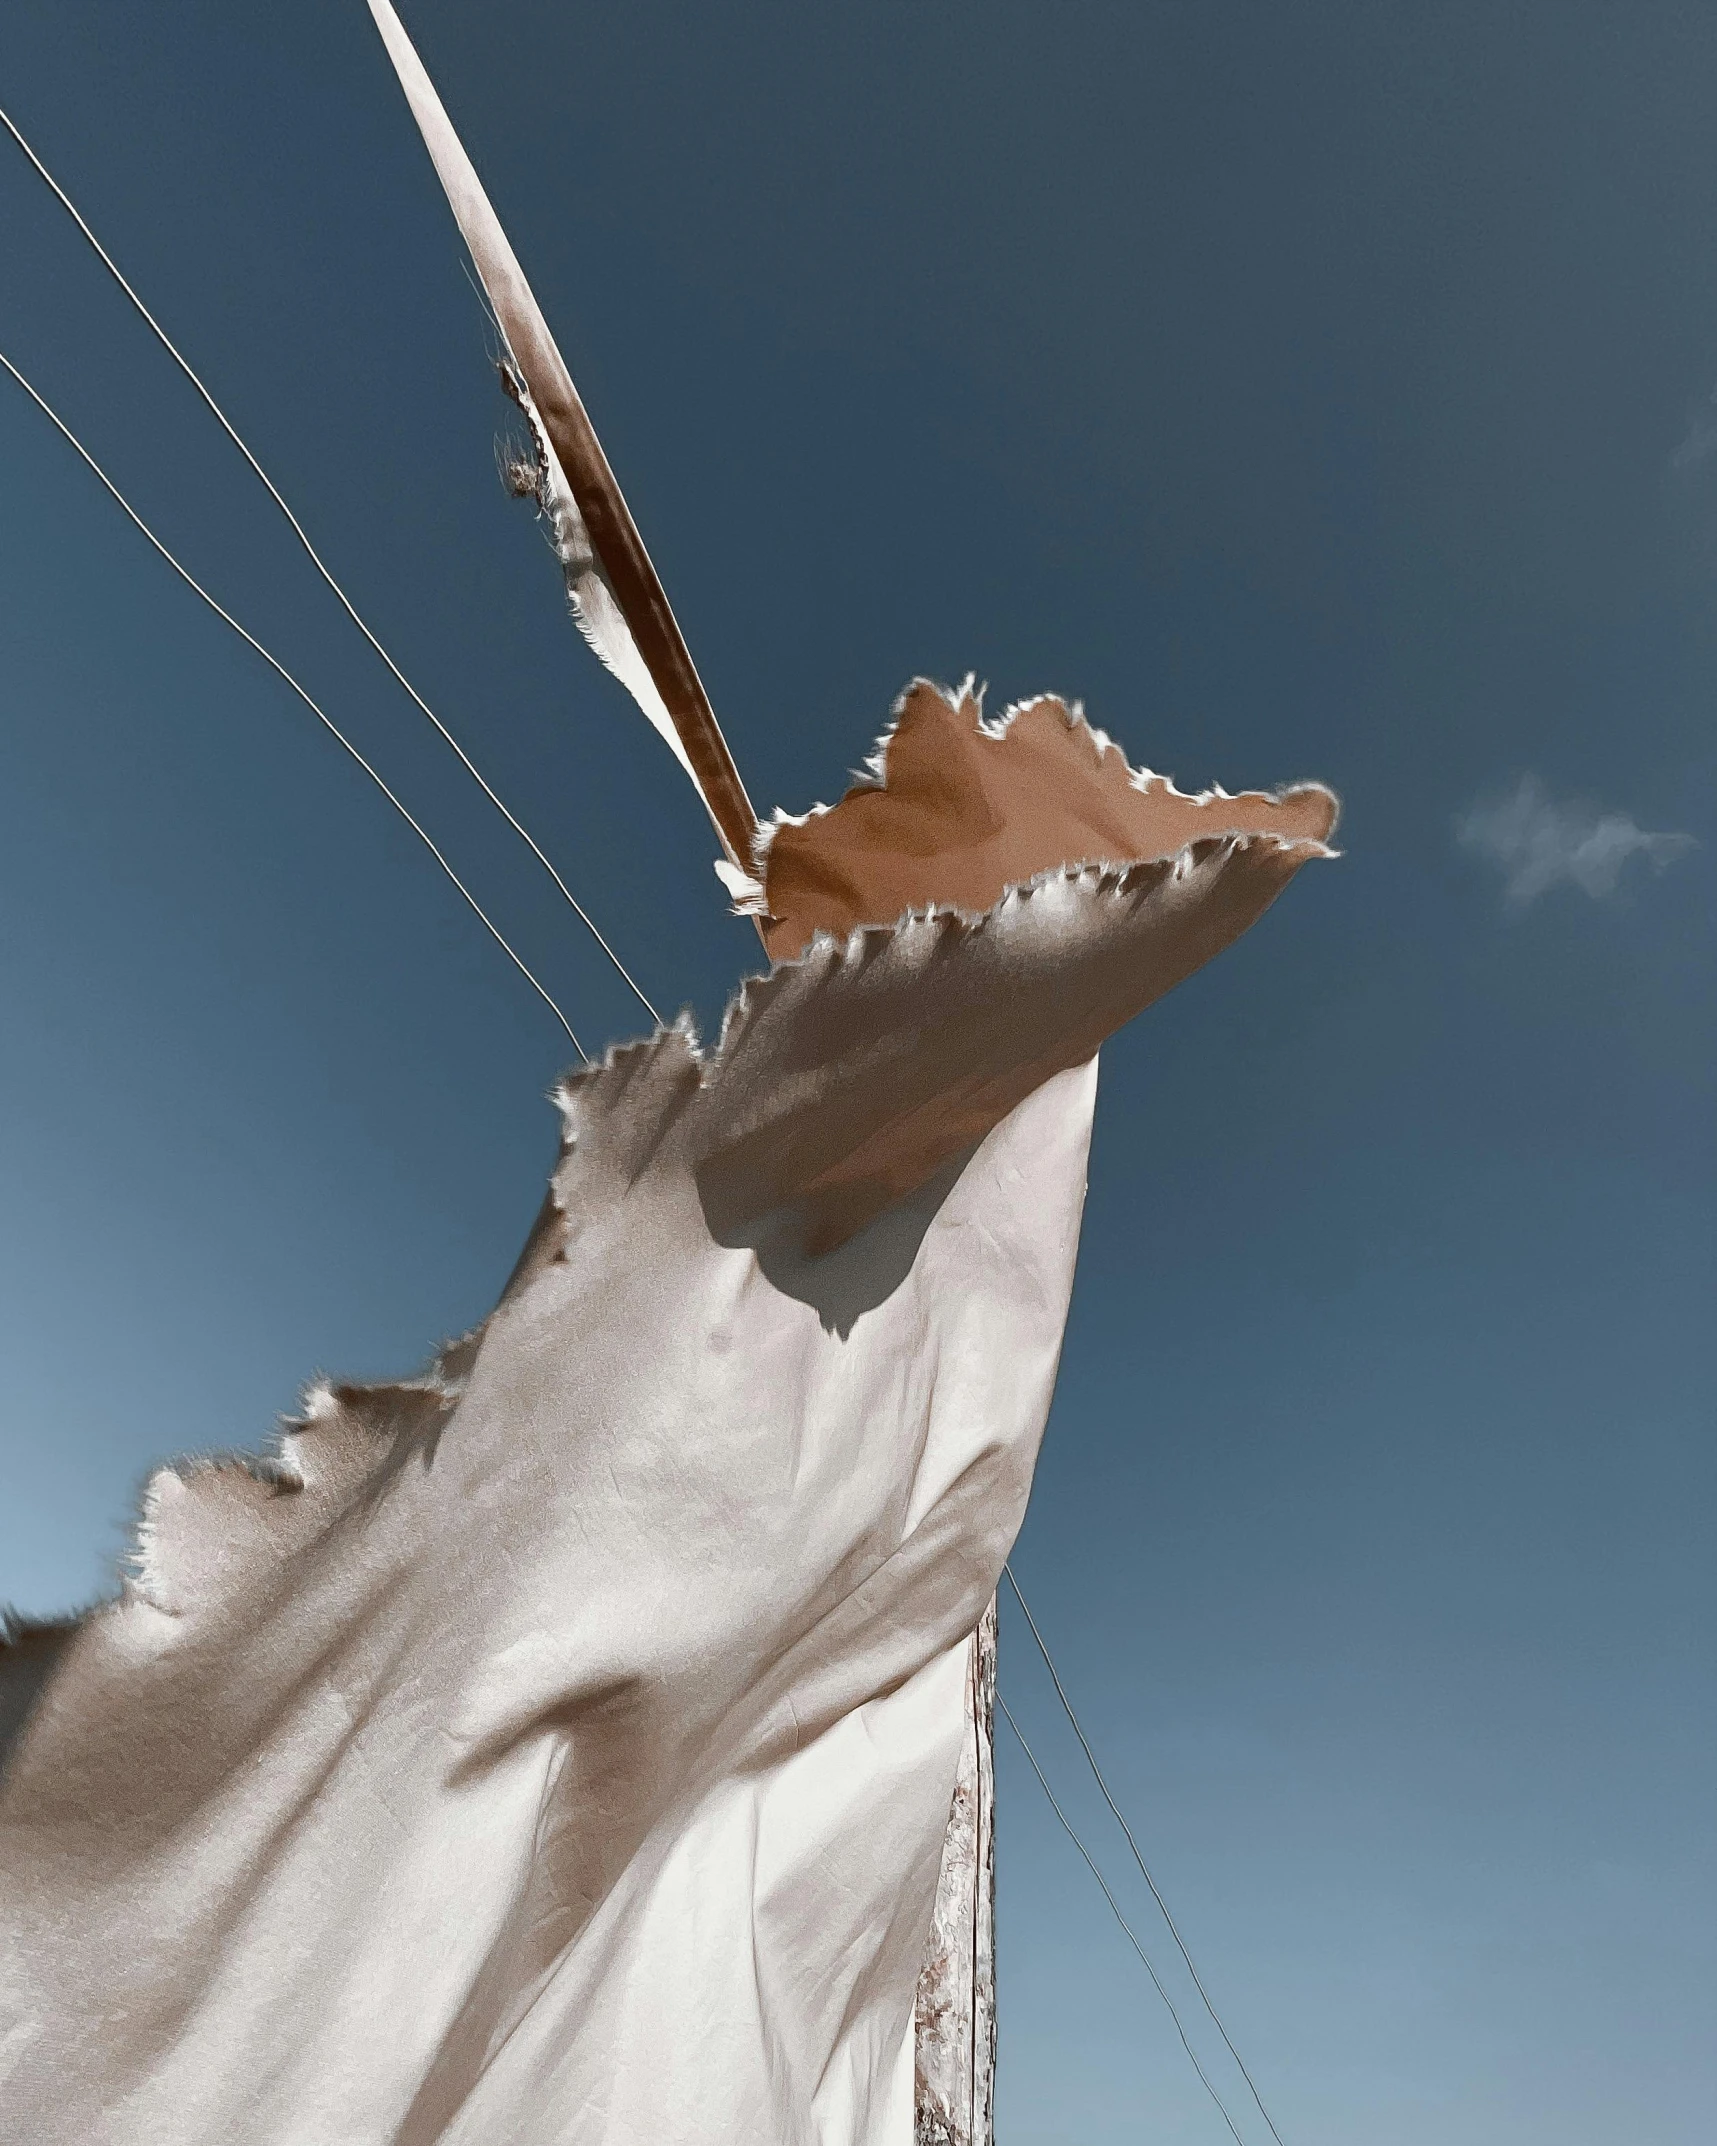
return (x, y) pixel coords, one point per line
(280, 670)
(1090, 1864)
(315, 558)
(1097, 1775)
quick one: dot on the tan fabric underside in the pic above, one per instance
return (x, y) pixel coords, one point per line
(963, 810)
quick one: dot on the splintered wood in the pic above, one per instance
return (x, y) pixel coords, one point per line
(955, 2012)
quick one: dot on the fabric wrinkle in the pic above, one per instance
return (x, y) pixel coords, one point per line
(570, 1754)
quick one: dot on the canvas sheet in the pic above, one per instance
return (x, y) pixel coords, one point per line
(558, 1746)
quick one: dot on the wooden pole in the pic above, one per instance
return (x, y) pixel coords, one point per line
(955, 2014)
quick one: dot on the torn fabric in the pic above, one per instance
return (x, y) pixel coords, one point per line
(559, 1746)
(617, 597)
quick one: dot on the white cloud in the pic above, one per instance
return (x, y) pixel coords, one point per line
(1700, 441)
(1538, 844)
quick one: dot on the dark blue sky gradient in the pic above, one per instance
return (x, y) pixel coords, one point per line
(1311, 390)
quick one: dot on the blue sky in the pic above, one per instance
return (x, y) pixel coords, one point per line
(1311, 390)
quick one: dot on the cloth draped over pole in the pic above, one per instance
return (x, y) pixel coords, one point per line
(559, 1745)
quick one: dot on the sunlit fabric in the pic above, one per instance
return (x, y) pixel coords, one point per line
(558, 1746)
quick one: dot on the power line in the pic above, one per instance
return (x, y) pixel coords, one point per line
(281, 671)
(316, 561)
(1097, 1775)
(1156, 1980)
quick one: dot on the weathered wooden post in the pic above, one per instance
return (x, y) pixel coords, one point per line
(956, 2005)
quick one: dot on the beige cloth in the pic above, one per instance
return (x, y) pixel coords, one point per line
(558, 1747)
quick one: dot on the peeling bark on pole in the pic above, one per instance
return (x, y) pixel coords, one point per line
(956, 2005)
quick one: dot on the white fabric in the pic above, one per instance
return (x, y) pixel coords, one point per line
(571, 1761)
(560, 1747)
(617, 598)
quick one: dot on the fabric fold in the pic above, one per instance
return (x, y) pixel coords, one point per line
(559, 1745)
